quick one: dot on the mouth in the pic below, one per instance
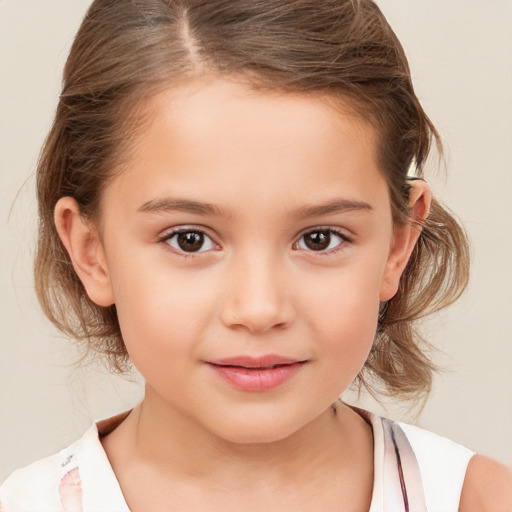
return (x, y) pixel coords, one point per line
(256, 374)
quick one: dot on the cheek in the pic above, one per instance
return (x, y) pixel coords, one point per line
(160, 334)
(344, 308)
(347, 294)
(162, 312)
(349, 325)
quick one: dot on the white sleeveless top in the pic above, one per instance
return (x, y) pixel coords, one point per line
(414, 471)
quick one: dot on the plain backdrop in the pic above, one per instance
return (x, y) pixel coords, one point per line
(460, 53)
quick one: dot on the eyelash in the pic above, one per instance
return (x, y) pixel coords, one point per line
(166, 238)
(343, 239)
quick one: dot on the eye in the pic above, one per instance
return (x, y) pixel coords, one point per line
(321, 240)
(190, 241)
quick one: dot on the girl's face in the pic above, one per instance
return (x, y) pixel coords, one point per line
(247, 247)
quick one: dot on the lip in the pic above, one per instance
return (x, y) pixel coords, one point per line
(257, 374)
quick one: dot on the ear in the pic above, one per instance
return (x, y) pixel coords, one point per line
(83, 244)
(405, 237)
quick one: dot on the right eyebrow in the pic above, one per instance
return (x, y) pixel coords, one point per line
(169, 204)
(337, 205)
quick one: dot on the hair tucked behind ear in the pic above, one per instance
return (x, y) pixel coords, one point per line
(342, 50)
(436, 275)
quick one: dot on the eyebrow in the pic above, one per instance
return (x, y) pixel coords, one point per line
(169, 204)
(330, 207)
(201, 208)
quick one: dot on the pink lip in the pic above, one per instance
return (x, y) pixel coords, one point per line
(256, 373)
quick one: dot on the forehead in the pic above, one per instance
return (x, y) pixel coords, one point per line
(224, 139)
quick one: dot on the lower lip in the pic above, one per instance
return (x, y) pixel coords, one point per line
(256, 379)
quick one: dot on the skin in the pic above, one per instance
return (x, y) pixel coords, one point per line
(262, 162)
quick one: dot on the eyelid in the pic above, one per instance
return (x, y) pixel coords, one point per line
(171, 232)
(335, 231)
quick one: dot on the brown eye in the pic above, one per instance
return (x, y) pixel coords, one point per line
(190, 241)
(320, 240)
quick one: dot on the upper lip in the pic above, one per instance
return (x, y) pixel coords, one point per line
(265, 361)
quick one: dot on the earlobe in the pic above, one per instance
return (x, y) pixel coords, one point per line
(85, 251)
(405, 237)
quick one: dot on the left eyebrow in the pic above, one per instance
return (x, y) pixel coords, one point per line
(169, 204)
(330, 207)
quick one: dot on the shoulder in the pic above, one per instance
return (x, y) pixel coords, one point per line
(80, 474)
(434, 450)
(36, 487)
(447, 468)
(32, 487)
(487, 487)
(442, 464)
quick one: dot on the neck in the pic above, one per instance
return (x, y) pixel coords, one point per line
(173, 445)
(161, 456)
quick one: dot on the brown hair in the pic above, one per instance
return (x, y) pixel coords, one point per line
(126, 51)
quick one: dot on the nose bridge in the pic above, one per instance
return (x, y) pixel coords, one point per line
(257, 298)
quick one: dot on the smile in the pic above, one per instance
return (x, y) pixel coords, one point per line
(256, 374)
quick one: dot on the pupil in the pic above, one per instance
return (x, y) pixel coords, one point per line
(318, 240)
(190, 242)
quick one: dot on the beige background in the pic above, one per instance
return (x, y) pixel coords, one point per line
(460, 53)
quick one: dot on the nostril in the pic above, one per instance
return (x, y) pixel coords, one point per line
(257, 299)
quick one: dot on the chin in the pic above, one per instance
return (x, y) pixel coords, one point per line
(259, 430)
(256, 436)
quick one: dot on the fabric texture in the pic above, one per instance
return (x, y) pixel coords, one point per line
(414, 471)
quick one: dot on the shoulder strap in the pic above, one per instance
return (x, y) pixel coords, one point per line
(403, 486)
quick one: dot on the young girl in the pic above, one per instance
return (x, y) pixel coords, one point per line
(226, 201)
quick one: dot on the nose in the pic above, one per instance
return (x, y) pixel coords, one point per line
(258, 298)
